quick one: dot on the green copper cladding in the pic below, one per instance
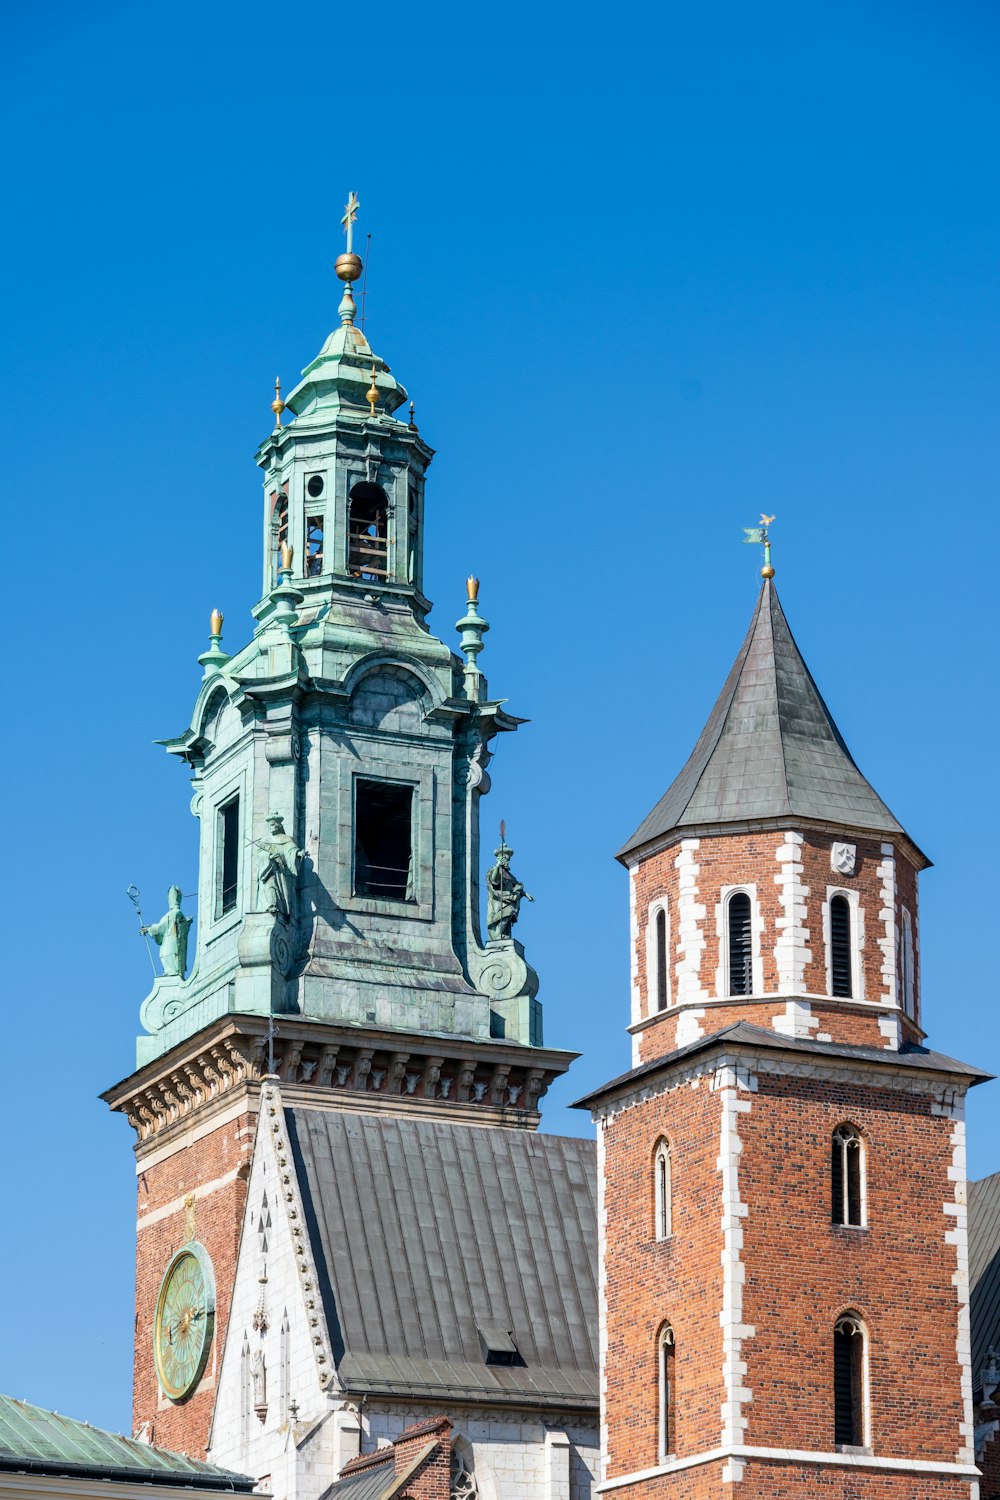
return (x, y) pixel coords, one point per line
(344, 720)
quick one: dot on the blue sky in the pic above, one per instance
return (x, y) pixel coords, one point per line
(642, 280)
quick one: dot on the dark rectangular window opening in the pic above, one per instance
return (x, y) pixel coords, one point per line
(661, 959)
(740, 945)
(848, 1377)
(383, 840)
(229, 838)
(314, 546)
(840, 948)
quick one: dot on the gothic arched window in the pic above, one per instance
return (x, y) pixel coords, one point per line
(849, 1355)
(740, 935)
(666, 1402)
(660, 957)
(841, 948)
(463, 1484)
(279, 530)
(906, 983)
(368, 533)
(662, 1192)
(848, 1177)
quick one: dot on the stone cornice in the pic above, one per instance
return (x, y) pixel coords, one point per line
(328, 1066)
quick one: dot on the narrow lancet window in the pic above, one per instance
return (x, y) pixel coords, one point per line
(841, 957)
(661, 959)
(848, 1166)
(228, 856)
(368, 533)
(279, 531)
(906, 982)
(314, 546)
(662, 1192)
(849, 1382)
(666, 1354)
(740, 945)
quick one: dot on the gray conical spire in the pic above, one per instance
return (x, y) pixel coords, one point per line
(770, 749)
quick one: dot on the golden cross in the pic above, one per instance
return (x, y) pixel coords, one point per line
(350, 214)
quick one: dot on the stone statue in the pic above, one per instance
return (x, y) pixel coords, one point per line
(277, 880)
(171, 935)
(258, 1375)
(504, 894)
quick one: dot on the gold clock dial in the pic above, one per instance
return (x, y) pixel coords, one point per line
(185, 1322)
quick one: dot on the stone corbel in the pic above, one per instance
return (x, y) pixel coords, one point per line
(327, 1061)
(498, 1084)
(290, 1063)
(534, 1088)
(431, 1075)
(362, 1067)
(397, 1071)
(466, 1073)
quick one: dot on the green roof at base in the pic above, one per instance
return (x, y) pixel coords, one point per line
(39, 1441)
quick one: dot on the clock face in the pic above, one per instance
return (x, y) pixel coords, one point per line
(185, 1319)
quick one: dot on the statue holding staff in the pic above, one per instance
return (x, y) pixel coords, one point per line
(504, 893)
(277, 880)
(170, 934)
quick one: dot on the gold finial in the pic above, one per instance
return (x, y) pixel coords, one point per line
(277, 405)
(349, 266)
(371, 395)
(215, 623)
(287, 553)
(472, 588)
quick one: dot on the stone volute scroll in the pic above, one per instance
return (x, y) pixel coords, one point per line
(504, 893)
(279, 875)
(170, 934)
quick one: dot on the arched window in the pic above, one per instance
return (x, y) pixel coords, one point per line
(849, 1382)
(662, 1192)
(665, 1355)
(279, 530)
(841, 948)
(848, 1176)
(368, 533)
(740, 944)
(660, 957)
(906, 966)
(463, 1485)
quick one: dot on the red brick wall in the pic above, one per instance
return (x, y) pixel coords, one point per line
(728, 859)
(678, 1280)
(801, 1273)
(218, 1218)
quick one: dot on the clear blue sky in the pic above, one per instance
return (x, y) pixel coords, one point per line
(644, 276)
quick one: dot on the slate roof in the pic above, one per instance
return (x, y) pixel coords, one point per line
(372, 1483)
(741, 1033)
(425, 1232)
(984, 1269)
(770, 748)
(37, 1441)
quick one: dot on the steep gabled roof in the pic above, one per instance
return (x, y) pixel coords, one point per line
(429, 1238)
(38, 1441)
(984, 1270)
(770, 749)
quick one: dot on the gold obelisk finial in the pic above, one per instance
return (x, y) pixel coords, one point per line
(371, 395)
(277, 405)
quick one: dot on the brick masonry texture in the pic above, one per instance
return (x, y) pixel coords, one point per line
(797, 1272)
(752, 859)
(218, 1219)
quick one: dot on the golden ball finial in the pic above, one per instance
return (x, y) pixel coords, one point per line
(277, 405)
(348, 266)
(371, 395)
(215, 622)
(767, 572)
(472, 588)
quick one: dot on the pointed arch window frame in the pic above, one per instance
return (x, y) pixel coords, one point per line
(663, 1192)
(857, 942)
(846, 1184)
(907, 964)
(658, 952)
(666, 1395)
(852, 1324)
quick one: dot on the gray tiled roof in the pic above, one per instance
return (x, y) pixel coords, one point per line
(770, 748)
(425, 1232)
(367, 1484)
(984, 1269)
(742, 1033)
(39, 1441)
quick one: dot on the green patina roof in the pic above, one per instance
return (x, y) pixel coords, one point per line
(770, 749)
(41, 1441)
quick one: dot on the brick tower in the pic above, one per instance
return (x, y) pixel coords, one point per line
(782, 1172)
(337, 762)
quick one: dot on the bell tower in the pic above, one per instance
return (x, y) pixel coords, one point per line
(782, 1172)
(337, 761)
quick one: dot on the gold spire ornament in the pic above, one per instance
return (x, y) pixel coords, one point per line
(472, 588)
(349, 265)
(215, 624)
(277, 405)
(371, 395)
(287, 553)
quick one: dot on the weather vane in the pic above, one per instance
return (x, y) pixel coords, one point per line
(350, 214)
(759, 534)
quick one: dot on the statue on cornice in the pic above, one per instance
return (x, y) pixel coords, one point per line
(170, 934)
(504, 894)
(277, 880)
